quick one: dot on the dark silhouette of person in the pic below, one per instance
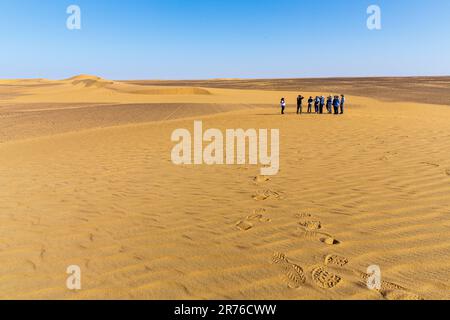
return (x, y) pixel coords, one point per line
(316, 104)
(322, 104)
(283, 105)
(310, 101)
(329, 103)
(342, 103)
(299, 104)
(336, 104)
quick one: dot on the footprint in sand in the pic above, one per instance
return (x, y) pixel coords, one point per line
(256, 217)
(324, 278)
(293, 273)
(310, 227)
(329, 240)
(258, 214)
(447, 172)
(310, 224)
(392, 291)
(303, 215)
(260, 179)
(335, 260)
(279, 258)
(244, 225)
(320, 236)
(262, 195)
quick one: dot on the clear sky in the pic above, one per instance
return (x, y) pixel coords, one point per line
(192, 39)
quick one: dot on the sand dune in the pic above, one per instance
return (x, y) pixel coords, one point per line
(94, 90)
(87, 81)
(93, 185)
(84, 77)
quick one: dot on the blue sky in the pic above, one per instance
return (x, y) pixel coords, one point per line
(198, 39)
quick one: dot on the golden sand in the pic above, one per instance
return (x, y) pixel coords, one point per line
(87, 179)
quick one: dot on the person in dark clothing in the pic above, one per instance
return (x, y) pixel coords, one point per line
(316, 104)
(300, 104)
(329, 103)
(342, 103)
(336, 104)
(283, 105)
(322, 104)
(310, 101)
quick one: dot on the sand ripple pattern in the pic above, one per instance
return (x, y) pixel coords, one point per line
(368, 188)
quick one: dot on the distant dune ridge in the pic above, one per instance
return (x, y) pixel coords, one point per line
(94, 81)
(93, 89)
(82, 77)
(89, 81)
(88, 181)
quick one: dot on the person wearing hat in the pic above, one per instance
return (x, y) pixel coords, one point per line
(283, 105)
(342, 103)
(299, 104)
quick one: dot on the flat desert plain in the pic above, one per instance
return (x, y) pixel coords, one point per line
(87, 180)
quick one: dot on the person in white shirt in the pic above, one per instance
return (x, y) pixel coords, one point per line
(283, 105)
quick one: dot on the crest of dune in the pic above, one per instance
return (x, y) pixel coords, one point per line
(89, 81)
(82, 77)
(89, 88)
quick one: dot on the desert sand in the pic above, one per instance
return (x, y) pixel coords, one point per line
(87, 179)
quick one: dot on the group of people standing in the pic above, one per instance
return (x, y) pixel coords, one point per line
(333, 104)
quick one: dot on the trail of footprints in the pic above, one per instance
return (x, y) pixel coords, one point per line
(258, 215)
(323, 278)
(310, 228)
(294, 274)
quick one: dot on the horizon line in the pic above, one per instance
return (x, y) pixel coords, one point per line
(243, 78)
